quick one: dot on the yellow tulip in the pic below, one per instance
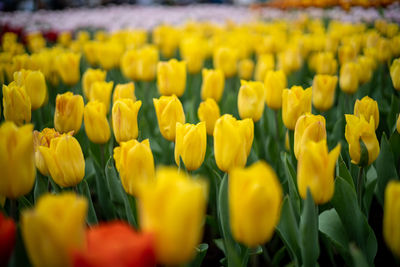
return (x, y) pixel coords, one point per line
(208, 112)
(398, 124)
(90, 51)
(384, 50)
(169, 111)
(146, 63)
(316, 170)
(91, 76)
(290, 60)
(323, 91)
(274, 83)
(295, 102)
(246, 68)
(265, 63)
(325, 63)
(391, 217)
(64, 38)
(101, 91)
(43, 139)
(128, 64)
(368, 108)
(124, 90)
(173, 209)
(67, 65)
(16, 104)
(190, 144)
(167, 38)
(64, 160)
(365, 68)
(193, 52)
(124, 117)
(357, 130)
(308, 127)
(82, 36)
(255, 197)
(348, 78)
(135, 164)
(213, 84)
(171, 77)
(34, 84)
(96, 125)
(232, 142)
(69, 112)
(395, 73)
(54, 228)
(225, 58)
(17, 162)
(251, 100)
(109, 54)
(346, 53)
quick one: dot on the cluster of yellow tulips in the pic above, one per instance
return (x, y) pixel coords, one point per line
(274, 129)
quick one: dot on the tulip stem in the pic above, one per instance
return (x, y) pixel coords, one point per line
(277, 126)
(13, 209)
(102, 155)
(360, 183)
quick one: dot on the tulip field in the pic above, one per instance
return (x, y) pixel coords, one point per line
(261, 140)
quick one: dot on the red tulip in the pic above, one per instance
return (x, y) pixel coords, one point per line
(7, 239)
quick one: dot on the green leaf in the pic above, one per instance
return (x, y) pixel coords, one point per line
(392, 115)
(370, 186)
(130, 210)
(309, 232)
(40, 186)
(201, 251)
(342, 171)
(395, 145)
(358, 258)
(23, 203)
(83, 189)
(291, 177)
(116, 191)
(364, 157)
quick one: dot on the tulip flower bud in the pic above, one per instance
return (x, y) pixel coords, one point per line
(308, 127)
(124, 90)
(64, 38)
(265, 63)
(323, 91)
(346, 54)
(289, 60)
(190, 144)
(164, 209)
(128, 64)
(251, 100)
(101, 91)
(274, 83)
(34, 84)
(391, 217)
(43, 139)
(325, 63)
(348, 78)
(171, 77)
(91, 76)
(246, 67)
(395, 73)
(232, 142)
(225, 58)
(209, 113)
(255, 197)
(96, 124)
(193, 52)
(64, 160)
(213, 84)
(109, 54)
(69, 112)
(365, 68)
(316, 170)
(166, 37)
(169, 111)
(368, 108)
(16, 104)
(146, 63)
(384, 50)
(62, 219)
(124, 117)
(17, 163)
(67, 65)
(295, 102)
(7, 238)
(135, 164)
(361, 137)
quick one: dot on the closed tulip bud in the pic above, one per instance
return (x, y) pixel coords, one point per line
(395, 73)
(348, 78)
(391, 217)
(213, 84)
(124, 90)
(346, 53)
(67, 65)
(171, 77)
(359, 130)
(274, 83)
(193, 52)
(316, 170)
(43, 138)
(290, 60)
(54, 228)
(96, 125)
(135, 164)
(16, 104)
(365, 68)
(368, 108)
(208, 112)
(384, 50)
(17, 162)
(190, 144)
(295, 102)
(128, 64)
(323, 91)
(64, 160)
(101, 91)
(91, 76)
(34, 84)
(225, 58)
(251, 100)
(246, 68)
(124, 118)
(173, 210)
(255, 197)
(146, 63)
(64, 38)
(232, 142)
(69, 112)
(169, 111)
(8, 232)
(109, 54)
(265, 63)
(325, 63)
